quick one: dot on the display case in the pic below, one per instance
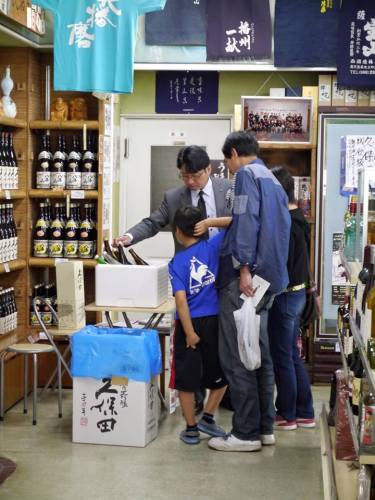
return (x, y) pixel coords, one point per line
(365, 215)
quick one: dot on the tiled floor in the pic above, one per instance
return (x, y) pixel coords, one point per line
(50, 467)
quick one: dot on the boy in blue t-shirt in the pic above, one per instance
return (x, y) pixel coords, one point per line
(196, 363)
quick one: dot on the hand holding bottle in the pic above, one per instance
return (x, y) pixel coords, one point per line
(126, 240)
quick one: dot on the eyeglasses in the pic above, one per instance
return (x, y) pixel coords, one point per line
(193, 177)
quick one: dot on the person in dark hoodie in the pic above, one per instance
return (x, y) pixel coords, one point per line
(294, 402)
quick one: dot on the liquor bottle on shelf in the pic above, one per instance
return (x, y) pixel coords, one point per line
(48, 297)
(58, 168)
(4, 165)
(37, 295)
(41, 232)
(137, 259)
(89, 177)
(71, 233)
(371, 222)
(13, 159)
(43, 169)
(12, 230)
(350, 230)
(356, 368)
(56, 238)
(8, 311)
(73, 171)
(86, 242)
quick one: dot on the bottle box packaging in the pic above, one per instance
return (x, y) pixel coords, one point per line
(325, 90)
(338, 93)
(131, 286)
(70, 295)
(115, 411)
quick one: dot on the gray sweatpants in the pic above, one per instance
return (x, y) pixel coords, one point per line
(251, 392)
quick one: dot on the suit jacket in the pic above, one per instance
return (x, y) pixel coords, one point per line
(173, 200)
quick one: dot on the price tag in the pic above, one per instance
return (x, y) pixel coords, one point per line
(6, 267)
(7, 194)
(337, 347)
(77, 195)
(60, 260)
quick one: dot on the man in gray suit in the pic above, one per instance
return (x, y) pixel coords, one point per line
(209, 194)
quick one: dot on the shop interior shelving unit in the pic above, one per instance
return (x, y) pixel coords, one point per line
(300, 160)
(28, 69)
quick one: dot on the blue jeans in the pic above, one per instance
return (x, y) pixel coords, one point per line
(294, 398)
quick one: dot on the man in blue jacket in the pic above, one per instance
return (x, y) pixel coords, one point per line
(256, 242)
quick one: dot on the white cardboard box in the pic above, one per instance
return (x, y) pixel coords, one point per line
(70, 295)
(325, 90)
(121, 413)
(131, 286)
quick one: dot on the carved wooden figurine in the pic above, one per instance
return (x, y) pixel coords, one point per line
(78, 109)
(59, 112)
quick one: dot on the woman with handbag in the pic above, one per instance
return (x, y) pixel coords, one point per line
(294, 403)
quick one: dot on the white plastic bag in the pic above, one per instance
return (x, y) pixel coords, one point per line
(248, 324)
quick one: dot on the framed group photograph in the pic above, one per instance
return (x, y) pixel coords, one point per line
(278, 119)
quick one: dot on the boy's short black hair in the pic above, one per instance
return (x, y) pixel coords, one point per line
(243, 142)
(286, 180)
(193, 159)
(186, 218)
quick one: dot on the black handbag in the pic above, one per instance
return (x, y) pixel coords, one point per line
(312, 309)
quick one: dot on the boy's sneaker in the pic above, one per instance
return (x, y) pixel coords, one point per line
(190, 437)
(306, 423)
(267, 439)
(284, 425)
(231, 443)
(211, 429)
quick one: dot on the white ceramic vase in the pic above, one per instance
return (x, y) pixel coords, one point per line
(9, 106)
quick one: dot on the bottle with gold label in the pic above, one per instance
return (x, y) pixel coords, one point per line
(86, 242)
(41, 233)
(56, 238)
(71, 233)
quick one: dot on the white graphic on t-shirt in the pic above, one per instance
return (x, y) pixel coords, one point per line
(200, 276)
(98, 13)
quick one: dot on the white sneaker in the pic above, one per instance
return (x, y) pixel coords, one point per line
(231, 443)
(268, 439)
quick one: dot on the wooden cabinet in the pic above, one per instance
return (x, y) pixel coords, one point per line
(300, 161)
(28, 70)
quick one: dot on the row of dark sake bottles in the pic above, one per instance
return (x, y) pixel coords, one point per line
(61, 235)
(75, 169)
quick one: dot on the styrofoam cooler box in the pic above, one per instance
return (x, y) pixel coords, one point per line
(121, 413)
(131, 286)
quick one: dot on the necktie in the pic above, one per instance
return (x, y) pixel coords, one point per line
(202, 207)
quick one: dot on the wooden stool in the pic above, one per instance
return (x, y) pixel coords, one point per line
(26, 350)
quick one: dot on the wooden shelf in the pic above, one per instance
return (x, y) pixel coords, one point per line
(289, 145)
(12, 122)
(50, 262)
(12, 194)
(347, 109)
(51, 193)
(68, 125)
(13, 265)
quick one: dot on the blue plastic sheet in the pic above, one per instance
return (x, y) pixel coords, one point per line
(122, 352)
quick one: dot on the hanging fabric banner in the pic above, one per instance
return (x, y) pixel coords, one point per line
(94, 42)
(306, 33)
(187, 92)
(238, 30)
(356, 58)
(182, 22)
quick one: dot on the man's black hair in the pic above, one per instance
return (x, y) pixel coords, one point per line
(193, 159)
(243, 142)
(286, 180)
(186, 218)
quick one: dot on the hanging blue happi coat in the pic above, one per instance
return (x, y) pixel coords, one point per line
(306, 33)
